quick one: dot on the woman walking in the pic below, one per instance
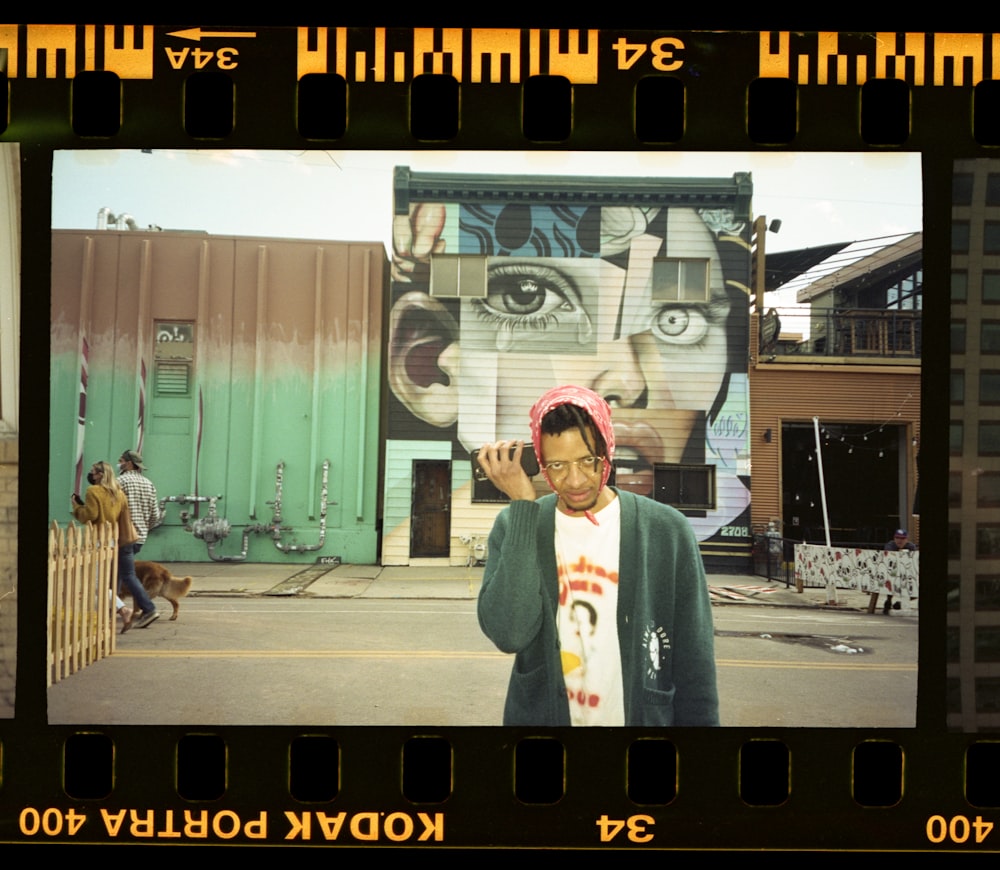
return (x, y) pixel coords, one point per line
(103, 503)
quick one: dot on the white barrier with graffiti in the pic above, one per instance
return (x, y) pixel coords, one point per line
(865, 570)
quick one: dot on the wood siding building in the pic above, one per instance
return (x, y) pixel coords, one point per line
(869, 424)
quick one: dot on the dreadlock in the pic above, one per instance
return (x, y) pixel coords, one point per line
(564, 417)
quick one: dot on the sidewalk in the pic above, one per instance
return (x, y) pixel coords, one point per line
(444, 582)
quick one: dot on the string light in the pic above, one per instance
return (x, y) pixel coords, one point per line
(833, 434)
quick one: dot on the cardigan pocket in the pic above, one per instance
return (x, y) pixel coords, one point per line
(657, 707)
(529, 698)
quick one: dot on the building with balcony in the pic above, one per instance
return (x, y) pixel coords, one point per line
(835, 393)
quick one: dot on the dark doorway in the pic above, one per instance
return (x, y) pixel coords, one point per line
(864, 471)
(430, 518)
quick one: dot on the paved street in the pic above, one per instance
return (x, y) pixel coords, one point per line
(348, 650)
(817, 668)
(297, 662)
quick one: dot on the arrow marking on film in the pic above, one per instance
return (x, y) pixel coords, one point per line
(196, 34)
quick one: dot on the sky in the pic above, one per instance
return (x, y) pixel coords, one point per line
(819, 197)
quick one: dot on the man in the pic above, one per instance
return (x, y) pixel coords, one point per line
(145, 512)
(644, 653)
(142, 502)
(900, 541)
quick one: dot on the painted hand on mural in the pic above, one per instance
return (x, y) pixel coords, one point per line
(414, 238)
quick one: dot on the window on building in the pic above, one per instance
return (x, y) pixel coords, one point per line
(959, 285)
(958, 336)
(953, 690)
(959, 237)
(987, 643)
(676, 280)
(987, 592)
(453, 275)
(906, 294)
(987, 541)
(955, 541)
(987, 694)
(993, 189)
(685, 486)
(956, 432)
(989, 438)
(988, 489)
(991, 286)
(952, 648)
(991, 237)
(957, 387)
(484, 492)
(961, 188)
(952, 588)
(955, 489)
(989, 336)
(989, 388)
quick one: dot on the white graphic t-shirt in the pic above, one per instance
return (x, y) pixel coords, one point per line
(587, 561)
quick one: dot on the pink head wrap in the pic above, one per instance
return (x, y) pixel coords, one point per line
(599, 411)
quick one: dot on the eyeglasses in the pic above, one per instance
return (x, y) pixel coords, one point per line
(589, 465)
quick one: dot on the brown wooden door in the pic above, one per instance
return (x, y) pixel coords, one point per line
(430, 516)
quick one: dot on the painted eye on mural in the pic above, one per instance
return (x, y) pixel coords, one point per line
(680, 324)
(521, 289)
(529, 298)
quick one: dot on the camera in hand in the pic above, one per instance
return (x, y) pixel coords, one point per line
(529, 462)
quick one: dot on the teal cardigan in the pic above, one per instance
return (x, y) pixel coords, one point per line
(664, 615)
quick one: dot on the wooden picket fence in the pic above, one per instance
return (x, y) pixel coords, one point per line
(83, 569)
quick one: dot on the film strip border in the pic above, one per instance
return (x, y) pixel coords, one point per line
(363, 87)
(798, 790)
(122, 86)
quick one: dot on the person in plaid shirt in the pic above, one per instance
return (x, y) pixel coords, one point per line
(142, 502)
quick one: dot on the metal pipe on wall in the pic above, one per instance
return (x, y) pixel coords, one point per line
(359, 492)
(261, 338)
(200, 358)
(316, 386)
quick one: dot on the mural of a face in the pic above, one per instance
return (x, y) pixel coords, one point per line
(637, 308)
(660, 364)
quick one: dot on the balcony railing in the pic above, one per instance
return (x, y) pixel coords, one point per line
(849, 333)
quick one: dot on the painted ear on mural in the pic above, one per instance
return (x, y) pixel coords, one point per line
(423, 358)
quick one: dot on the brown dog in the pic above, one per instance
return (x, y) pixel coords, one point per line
(157, 580)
